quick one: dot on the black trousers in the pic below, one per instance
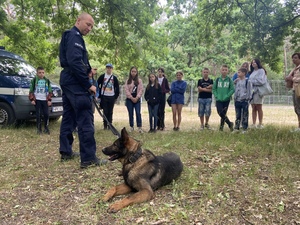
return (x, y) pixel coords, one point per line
(42, 109)
(222, 108)
(161, 112)
(107, 104)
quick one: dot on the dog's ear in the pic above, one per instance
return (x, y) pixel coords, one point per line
(124, 134)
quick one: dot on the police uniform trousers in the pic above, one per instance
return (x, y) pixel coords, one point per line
(77, 108)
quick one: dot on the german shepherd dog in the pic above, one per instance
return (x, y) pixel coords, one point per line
(143, 172)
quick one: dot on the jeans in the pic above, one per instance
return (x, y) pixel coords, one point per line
(137, 107)
(204, 107)
(242, 114)
(152, 110)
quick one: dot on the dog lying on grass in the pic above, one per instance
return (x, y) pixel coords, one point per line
(143, 172)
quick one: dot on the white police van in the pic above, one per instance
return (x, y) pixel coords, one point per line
(15, 77)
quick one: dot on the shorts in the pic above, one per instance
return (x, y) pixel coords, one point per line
(204, 107)
(296, 102)
(257, 99)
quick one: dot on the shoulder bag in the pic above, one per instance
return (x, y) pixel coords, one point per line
(101, 95)
(169, 100)
(264, 89)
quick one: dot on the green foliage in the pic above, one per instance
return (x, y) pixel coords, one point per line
(183, 35)
(122, 29)
(263, 25)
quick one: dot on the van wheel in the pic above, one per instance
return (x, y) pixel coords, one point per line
(7, 116)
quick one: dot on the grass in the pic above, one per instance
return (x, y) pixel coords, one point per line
(228, 178)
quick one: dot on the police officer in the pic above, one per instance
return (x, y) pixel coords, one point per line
(77, 89)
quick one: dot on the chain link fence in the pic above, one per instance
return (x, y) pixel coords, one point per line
(280, 96)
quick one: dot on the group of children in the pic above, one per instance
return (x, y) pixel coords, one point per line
(223, 88)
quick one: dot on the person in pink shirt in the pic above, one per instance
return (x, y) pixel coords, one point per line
(134, 91)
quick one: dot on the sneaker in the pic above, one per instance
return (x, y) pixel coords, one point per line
(244, 131)
(96, 162)
(231, 126)
(236, 127)
(260, 126)
(253, 126)
(221, 128)
(65, 157)
(140, 130)
(296, 130)
(235, 131)
(201, 127)
(131, 129)
(207, 126)
(38, 131)
(46, 131)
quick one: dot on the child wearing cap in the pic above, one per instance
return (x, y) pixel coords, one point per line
(108, 93)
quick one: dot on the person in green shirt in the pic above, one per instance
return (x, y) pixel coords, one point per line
(223, 88)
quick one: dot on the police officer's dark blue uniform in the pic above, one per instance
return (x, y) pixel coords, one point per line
(77, 103)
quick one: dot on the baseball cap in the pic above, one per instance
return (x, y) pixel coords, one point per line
(109, 65)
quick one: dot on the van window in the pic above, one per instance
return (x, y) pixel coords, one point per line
(13, 67)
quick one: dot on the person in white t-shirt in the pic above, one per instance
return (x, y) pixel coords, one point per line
(40, 94)
(108, 93)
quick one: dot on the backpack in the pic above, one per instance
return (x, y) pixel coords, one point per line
(34, 81)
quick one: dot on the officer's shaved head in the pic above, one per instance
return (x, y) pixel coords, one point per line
(84, 23)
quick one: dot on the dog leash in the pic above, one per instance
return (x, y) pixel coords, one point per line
(111, 127)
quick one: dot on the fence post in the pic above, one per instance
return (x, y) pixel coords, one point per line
(192, 96)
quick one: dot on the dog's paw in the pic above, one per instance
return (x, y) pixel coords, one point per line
(115, 207)
(106, 198)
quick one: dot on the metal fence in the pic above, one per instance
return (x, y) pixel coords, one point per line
(280, 96)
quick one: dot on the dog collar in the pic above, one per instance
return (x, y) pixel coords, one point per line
(135, 156)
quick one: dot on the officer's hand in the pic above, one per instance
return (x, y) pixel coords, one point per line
(93, 89)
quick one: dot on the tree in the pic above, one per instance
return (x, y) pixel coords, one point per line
(262, 25)
(33, 28)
